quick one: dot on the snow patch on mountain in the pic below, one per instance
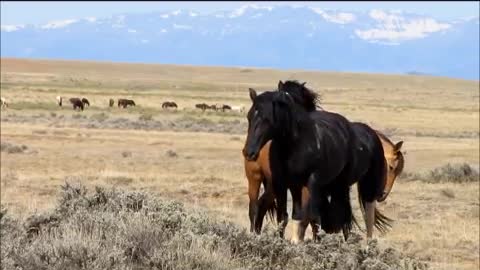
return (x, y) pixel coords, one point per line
(340, 17)
(392, 28)
(58, 24)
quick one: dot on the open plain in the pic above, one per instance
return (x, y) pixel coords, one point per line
(195, 157)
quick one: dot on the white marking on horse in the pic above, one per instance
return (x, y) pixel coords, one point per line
(329, 198)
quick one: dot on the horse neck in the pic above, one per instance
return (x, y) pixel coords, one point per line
(305, 131)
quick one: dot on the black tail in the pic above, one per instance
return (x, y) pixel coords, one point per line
(382, 222)
(271, 206)
(336, 215)
(371, 185)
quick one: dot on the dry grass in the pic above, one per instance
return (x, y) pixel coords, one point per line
(195, 157)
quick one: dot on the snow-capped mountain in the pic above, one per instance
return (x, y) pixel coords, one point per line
(262, 36)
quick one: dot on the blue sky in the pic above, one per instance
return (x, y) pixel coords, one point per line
(42, 12)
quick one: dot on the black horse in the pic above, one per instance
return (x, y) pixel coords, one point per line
(77, 103)
(312, 149)
(369, 168)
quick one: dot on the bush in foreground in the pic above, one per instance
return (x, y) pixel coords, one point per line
(111, 229)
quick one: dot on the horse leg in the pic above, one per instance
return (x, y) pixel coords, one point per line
(369, 217)
(254, 182)
(265, 203)
(298, 217)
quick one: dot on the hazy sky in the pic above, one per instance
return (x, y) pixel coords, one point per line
(42, 12)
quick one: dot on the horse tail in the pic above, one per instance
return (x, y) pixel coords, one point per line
(382, 223)
(371, 186)
(336, 212)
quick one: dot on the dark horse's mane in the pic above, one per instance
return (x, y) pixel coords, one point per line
(301, 94)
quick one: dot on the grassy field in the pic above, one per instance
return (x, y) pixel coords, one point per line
(195, 157)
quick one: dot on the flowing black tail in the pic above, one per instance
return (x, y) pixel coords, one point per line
(371, 185)
(382, 222)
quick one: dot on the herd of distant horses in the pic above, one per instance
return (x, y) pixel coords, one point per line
(294, 145)
(317, 155)
(80, 104)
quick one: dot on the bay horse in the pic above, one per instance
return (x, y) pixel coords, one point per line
(202, 106)
(122, 102)
(169, 104)
(85, 102)
(314, 149)
(111, 102)
(77, 103)
(226, 107)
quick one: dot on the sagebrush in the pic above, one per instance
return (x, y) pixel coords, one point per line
(111, 229)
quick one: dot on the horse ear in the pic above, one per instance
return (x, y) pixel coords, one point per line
(280, 85)
(398, 146)
(303, 84)
(253, 93)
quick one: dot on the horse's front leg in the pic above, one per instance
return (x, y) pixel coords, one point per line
(254, 182)
(299, 217)
(265, 203)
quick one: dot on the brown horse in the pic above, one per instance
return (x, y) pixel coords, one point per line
(258, 172)
(125, 102)
(202, 106)
(169, 104)
(77, 103)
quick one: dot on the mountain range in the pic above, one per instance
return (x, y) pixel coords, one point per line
(285, 37)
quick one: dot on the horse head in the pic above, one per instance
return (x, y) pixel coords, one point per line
(271, 115)
(395, 163)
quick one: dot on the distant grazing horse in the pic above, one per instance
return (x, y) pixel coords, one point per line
(240, 109)
(4, 102)
(311, 149)
(125, 102)
(77, 103)
(202, 106)
(169, 104)
(111, 102)
(85, 102)
(226, 107)
(59, 100)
